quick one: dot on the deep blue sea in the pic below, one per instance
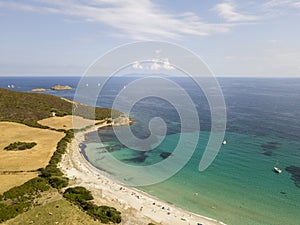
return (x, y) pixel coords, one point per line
(240, 186)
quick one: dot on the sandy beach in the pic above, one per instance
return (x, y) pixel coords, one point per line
(136, 206)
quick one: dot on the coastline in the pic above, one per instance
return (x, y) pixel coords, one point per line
(137, 207)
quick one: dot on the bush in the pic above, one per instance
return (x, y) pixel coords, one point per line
(21, 198)
(58, 182)
(20, 146)
(78, 194)
(105, 214)
(81, 196)
(28, 189)
(50, 170)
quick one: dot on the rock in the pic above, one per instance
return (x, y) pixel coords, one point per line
(165, 155)
(38, 89)
(61, 87)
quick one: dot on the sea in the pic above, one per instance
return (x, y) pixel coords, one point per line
(240, 186)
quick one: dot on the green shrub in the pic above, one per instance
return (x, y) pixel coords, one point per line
(27, 189)
(10, 211)
(105, 214)
(58, 182)
(78, 194)
(20, 146)
(21, 198)
(81, 196)
(50, 170)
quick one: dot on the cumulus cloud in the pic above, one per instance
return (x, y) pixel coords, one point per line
(138, 20)
(167, 65)
(158, 64)
(137, 65)
(153, 64)
(228, 11)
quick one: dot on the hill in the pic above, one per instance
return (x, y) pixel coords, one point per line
(28, 108)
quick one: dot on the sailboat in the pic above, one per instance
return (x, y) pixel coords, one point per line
(277, 170)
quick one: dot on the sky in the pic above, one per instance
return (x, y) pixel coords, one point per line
(234, 38)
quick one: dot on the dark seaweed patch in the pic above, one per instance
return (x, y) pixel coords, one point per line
(269, 147)
(113, 148)
(295, 172)
(165, 155)
(139, 159)
(268, 153)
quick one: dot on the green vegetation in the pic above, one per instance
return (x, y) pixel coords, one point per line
(78, 194)
(20, 199)
(28, 108)
(81, 197)
(56, 212)
(51, 172)
(20, 146)
(58, 182)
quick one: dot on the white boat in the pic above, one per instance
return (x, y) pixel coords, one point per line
(277, 170)
(224, 142)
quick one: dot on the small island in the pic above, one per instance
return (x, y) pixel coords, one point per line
(61, 87)
(38, 90)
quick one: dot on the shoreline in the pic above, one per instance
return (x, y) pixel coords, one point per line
(136, 206)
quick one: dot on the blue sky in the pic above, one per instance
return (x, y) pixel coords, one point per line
(235, 38)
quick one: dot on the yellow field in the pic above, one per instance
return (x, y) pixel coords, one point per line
(30, 159)
(11, 180)
(66, 122)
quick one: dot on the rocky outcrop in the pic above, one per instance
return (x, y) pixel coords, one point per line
(61, 87)
(38, 89)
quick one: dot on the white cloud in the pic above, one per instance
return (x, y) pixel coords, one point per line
(138, 20)
(281, 3)
(137, 65)
(167, 65)
(154, 64)
(228, 11)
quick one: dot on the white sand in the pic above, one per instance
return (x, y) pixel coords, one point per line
(136, 206)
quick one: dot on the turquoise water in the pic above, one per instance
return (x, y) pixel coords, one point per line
(239, 187)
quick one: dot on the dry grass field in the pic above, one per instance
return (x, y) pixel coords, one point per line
(30, 159)
(66, 122)
(11, 180)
